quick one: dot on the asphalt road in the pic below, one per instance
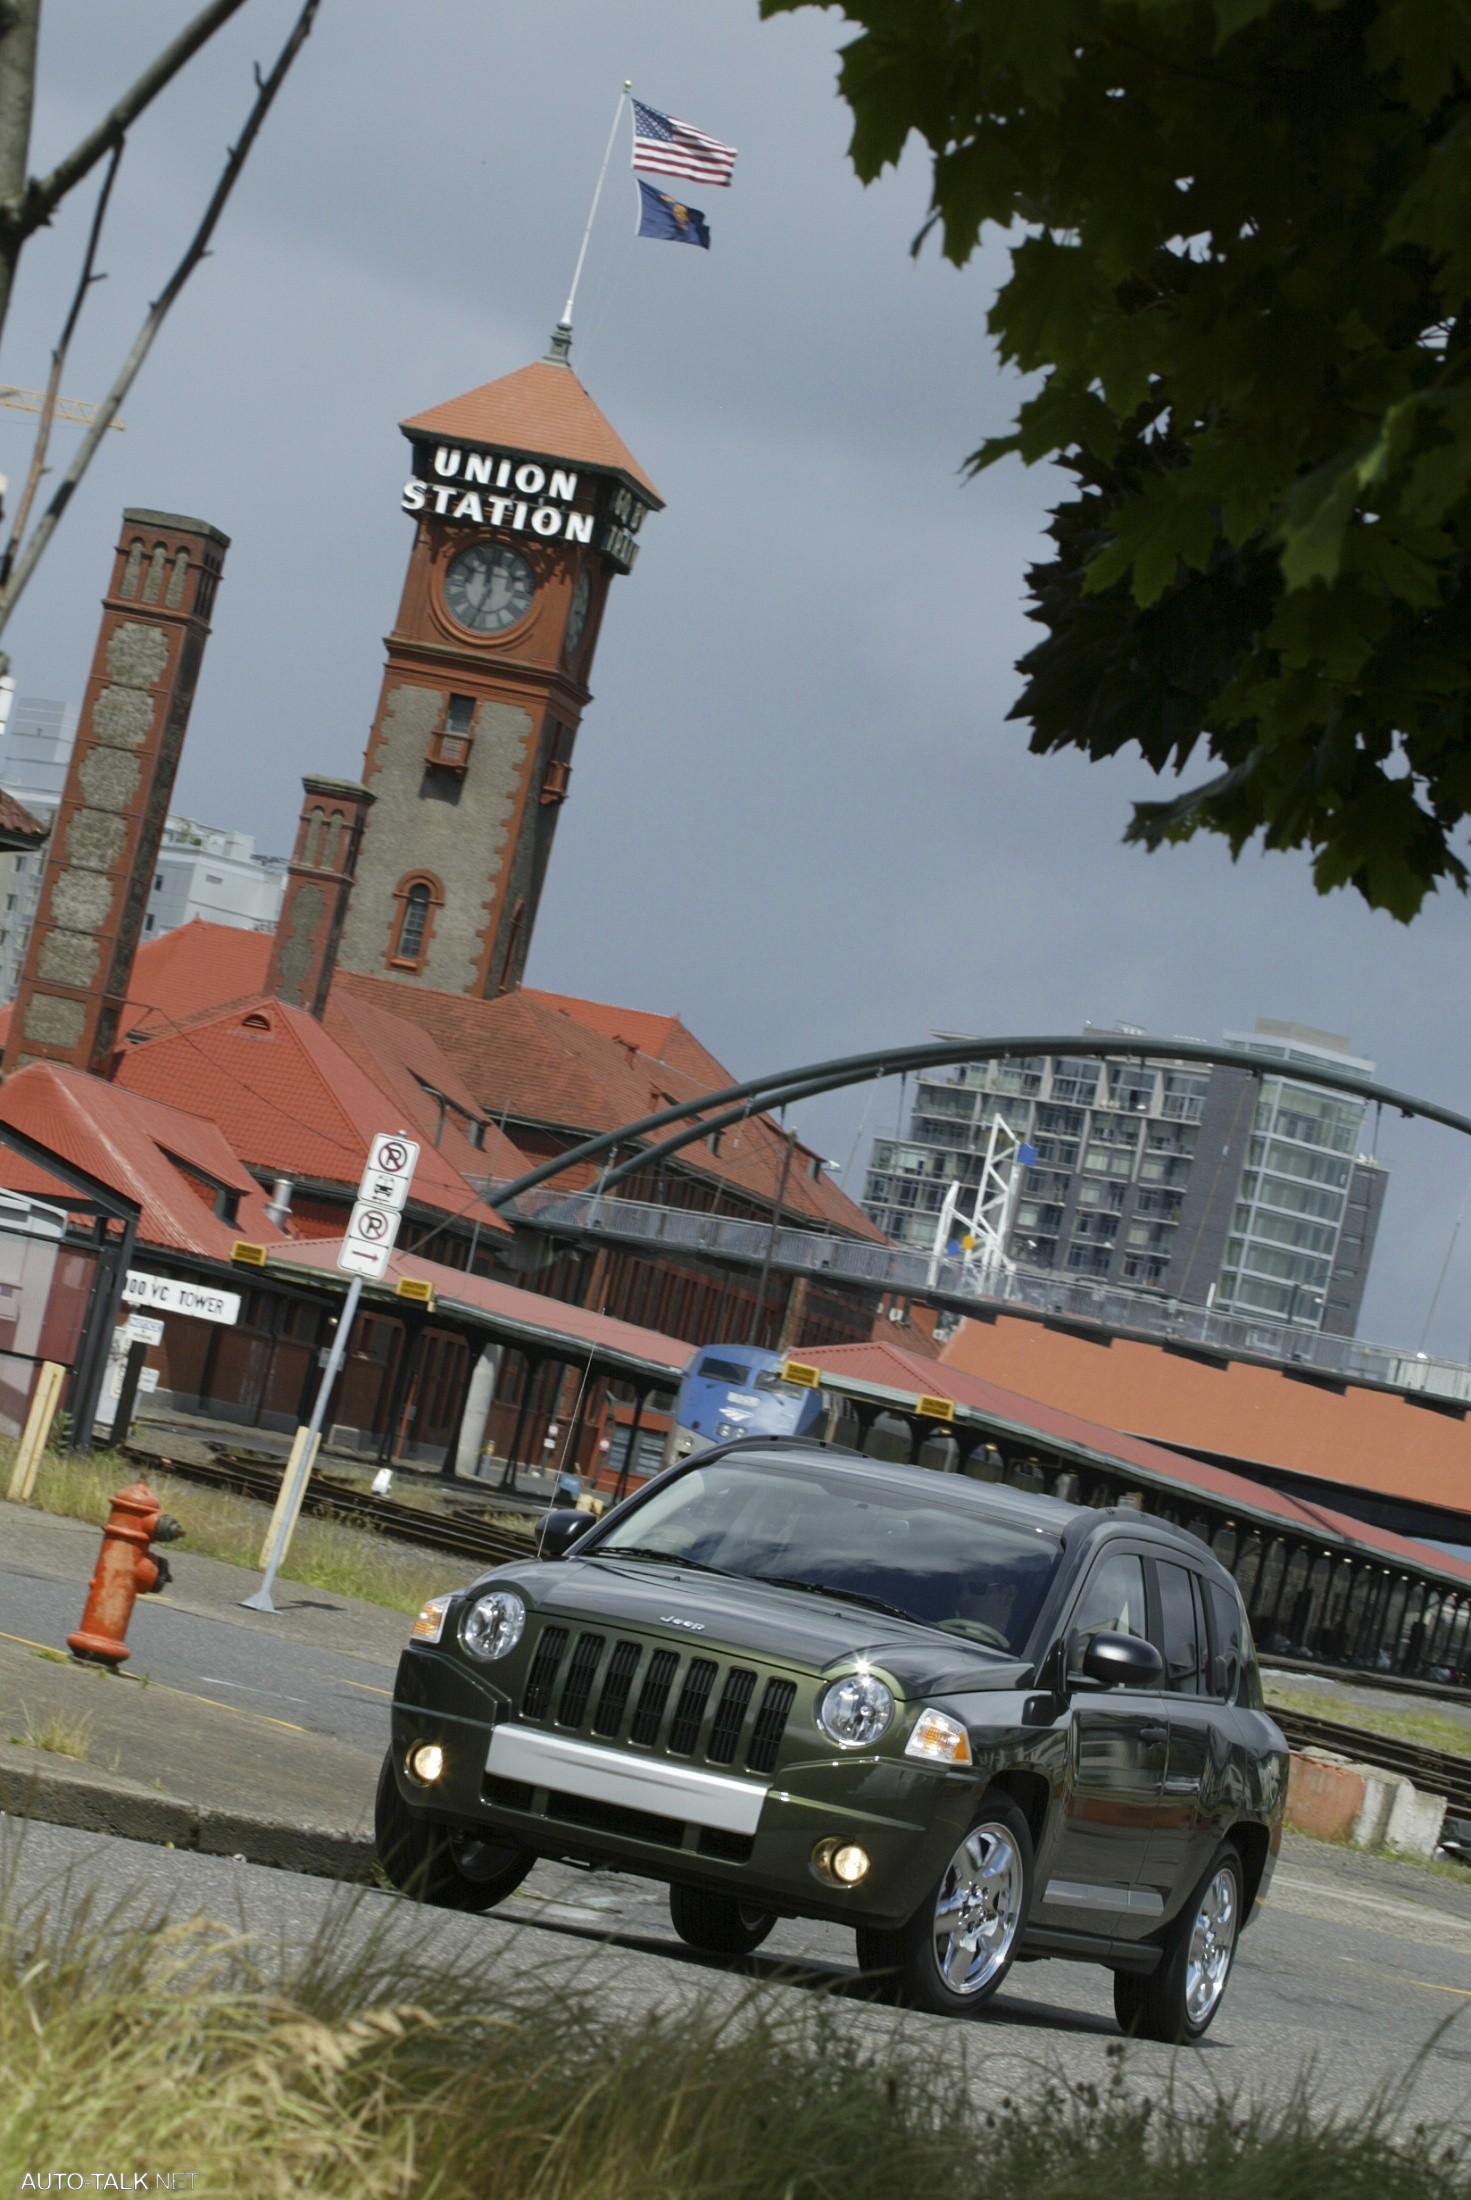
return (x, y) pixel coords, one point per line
(1341, 1984)
(326, 1691)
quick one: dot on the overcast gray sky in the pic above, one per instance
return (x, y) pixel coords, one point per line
(798, 816)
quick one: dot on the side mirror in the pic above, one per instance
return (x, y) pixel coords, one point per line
(561, 1528)
(1122, 1661)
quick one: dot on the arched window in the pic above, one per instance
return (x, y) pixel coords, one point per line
(414, 924)
(418, 897)
(133, 569)
(311, 842)
(177, 578)
(154, 581)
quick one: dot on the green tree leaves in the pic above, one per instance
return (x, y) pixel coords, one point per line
(1241, 266)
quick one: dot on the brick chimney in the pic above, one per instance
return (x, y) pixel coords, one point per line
(105, 842)
(318, 883)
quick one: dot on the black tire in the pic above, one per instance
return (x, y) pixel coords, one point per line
(1178, 2002)
(721, 1924)
(987, 1885)
(434, 1863)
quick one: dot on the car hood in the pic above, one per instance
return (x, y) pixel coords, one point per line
(780, 1626)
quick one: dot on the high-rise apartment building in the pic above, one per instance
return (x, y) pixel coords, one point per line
(1219, 1186)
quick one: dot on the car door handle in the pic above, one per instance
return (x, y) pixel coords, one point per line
(1154, 1733)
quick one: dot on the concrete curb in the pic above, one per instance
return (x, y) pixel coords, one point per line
(96, 1803)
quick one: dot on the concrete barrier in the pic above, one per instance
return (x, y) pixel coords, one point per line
(1334, 1799)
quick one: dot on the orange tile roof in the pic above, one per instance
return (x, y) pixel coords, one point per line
(195, 966)
(916, 1375)
(543, 410)
(552, 1320)
(292, 1099)
(1363, 1438)
(549, 1059)
(18, 829)
(135, 1146)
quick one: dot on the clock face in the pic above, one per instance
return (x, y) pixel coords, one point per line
(488, 587)
(577, 616)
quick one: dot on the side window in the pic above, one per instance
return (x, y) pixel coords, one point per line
(1182, 1647)
(1112, 1601)
(1226, 1626)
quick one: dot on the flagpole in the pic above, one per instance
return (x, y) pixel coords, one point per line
(562, 339)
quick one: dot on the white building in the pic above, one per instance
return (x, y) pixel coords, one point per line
(202, 870)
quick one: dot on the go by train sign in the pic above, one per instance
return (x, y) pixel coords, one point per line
(518, 495)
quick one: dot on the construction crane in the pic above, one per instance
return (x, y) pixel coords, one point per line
(76, 409)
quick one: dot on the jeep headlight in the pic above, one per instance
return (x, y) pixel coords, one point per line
(493, 1625)
(856, 1711)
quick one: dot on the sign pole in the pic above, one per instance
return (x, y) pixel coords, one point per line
(304, 1453)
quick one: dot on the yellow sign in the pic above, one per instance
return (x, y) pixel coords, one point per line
(250, 1256)
(936, 1409)
(415, 1288)
(797, 1371)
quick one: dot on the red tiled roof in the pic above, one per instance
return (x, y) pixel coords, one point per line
(135, 1146)
(538, 1061)
(550, 1319)
(195, 966)
(18, 829)
(543, 410)
(1360, 1438)
(291, 1098)
(631, 1027)
(915, 1375)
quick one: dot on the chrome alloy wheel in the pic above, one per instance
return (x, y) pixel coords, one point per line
(1212, 1944)
(978, 1912)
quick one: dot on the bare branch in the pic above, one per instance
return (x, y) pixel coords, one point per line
(157, 313)
(58, 363)
(43, 193)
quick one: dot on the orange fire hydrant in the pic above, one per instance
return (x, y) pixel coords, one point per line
(126, 1570)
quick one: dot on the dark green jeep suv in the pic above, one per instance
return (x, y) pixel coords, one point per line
(792, 1681)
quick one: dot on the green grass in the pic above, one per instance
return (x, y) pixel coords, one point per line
(372, 2065)
(1431, 1729)
(325, 1554)
(56, 1731)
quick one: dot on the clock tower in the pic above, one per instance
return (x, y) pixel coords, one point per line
(525, 504)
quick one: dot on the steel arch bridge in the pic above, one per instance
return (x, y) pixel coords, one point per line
(711, 1112)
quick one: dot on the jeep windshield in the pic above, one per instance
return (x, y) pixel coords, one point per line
(915, 1551)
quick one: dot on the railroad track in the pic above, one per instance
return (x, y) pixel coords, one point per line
(327, 1498)
(1439, 1770)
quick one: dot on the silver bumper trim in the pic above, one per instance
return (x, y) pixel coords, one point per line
(1087, 1896)
(570, 1767)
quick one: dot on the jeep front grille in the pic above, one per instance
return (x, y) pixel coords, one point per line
(649, 1717)
(730, 1714)
(654, 1698)
(539, 1681)
(617, 1683)
(771, 1724)
(578, 1685)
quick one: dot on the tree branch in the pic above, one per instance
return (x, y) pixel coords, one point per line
(43, 193)
(157, 313)
(58, 363)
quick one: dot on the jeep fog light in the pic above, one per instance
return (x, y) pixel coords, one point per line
(939, 1739)
(842, 1862)
(429, 1625)
(426, 1762)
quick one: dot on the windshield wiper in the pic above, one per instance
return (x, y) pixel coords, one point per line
(843, 1596)
(665, 1558)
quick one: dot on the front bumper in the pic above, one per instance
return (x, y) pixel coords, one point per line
(565, 1796)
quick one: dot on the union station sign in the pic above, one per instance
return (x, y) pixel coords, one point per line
(518, 495)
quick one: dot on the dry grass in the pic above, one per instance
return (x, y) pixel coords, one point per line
(64, 1736)
(325, 1554)
(362, 2068)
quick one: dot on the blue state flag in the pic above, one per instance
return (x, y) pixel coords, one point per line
(662, 215)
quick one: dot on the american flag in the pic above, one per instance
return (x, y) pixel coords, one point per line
(670, 148)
